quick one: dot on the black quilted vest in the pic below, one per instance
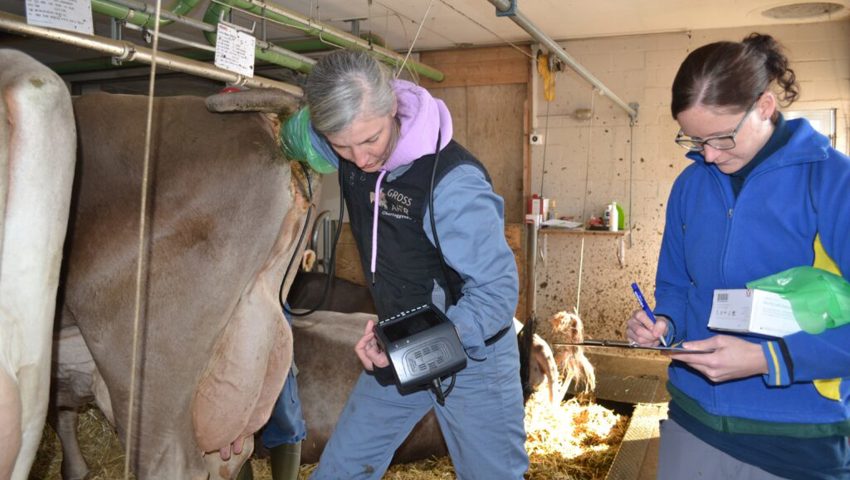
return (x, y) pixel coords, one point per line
(407, 263)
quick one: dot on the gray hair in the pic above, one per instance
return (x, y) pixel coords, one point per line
(345, 85)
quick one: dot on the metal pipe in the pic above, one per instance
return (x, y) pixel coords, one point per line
(137, 13)
(326, 33)
(173, 39)
(526, 24)
(131, 52)
(146, 10)
(179, 9)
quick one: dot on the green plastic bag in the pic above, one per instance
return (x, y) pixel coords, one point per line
(297, 145)
(819, 299)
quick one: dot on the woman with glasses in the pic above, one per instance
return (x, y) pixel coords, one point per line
(760, 194)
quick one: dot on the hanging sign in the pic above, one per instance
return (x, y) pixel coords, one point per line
(234, 50)
(71, 15)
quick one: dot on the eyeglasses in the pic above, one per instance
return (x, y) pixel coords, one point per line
(717, 142)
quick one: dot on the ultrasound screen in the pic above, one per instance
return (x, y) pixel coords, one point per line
(411, 325)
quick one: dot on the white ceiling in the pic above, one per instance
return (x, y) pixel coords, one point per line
(453, 23)
(459, 23)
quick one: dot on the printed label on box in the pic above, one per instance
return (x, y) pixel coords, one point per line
(752, 311)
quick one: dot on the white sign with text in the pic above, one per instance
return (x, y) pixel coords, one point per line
(71, 15)
(234, 50)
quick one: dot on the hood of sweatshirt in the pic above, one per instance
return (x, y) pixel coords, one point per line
(421, 118)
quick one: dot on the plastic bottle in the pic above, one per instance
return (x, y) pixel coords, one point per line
(621, 218)
(613, 217)
(552, 214)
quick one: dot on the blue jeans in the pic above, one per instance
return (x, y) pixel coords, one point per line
(286, 424)
(482, 422)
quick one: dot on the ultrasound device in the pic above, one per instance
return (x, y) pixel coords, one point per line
(423, 347)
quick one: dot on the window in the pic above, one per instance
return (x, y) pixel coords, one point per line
(822, 120)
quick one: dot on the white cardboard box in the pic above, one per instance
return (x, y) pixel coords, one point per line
(752, 311)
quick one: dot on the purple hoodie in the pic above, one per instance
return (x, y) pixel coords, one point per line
(421, 116)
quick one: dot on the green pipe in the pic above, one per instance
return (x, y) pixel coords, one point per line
(182, 7)
(325, 34)
(144, 19)
(136, 17)
(217, 11)
(120, 12)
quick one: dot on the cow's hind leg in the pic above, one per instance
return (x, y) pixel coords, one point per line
(10, 423)
(74, 383)
(64, 423)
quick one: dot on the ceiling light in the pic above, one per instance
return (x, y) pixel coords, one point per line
(803, 10)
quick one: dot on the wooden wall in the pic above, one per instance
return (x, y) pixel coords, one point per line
(486, 90)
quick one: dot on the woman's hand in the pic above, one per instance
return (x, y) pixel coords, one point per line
(369, 351)
(641, 330)
(235, 448)
(732, 358)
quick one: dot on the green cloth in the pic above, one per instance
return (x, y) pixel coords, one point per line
(297, 142)
(819, 299)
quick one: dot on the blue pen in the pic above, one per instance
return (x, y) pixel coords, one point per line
(645, 307)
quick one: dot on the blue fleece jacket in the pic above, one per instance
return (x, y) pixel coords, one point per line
(713, 240)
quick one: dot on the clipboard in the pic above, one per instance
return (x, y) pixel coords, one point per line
(633, 346)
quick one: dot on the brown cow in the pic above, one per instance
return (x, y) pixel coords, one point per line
(36, 171)
(224, 215)
(342, 296)
(326, 380)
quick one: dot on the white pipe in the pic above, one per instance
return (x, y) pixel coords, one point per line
(131, 52)
(164, 36)
(552, 46)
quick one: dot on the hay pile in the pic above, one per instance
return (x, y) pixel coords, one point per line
(98, 442)
(577, 440)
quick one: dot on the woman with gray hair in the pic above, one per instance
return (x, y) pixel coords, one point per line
(397, 160)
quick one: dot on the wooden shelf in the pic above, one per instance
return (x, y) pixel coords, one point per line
(582, 231)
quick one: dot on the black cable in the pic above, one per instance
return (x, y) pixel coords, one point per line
(436, 384)
(437, 387)
(332, 260)
(443, 265)
(292, 259)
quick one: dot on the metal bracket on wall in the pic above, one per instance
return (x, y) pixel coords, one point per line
(510, 12)
(621, 248)
(116, 33)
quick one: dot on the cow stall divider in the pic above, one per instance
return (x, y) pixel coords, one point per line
(129, 51)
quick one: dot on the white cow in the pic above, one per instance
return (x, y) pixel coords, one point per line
(37, 154)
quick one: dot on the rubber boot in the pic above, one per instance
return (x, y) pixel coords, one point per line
(246, 473)
(285, 460)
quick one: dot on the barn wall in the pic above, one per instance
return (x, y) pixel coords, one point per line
(589, 163)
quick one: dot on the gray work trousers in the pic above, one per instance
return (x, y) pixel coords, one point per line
(684, 456)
